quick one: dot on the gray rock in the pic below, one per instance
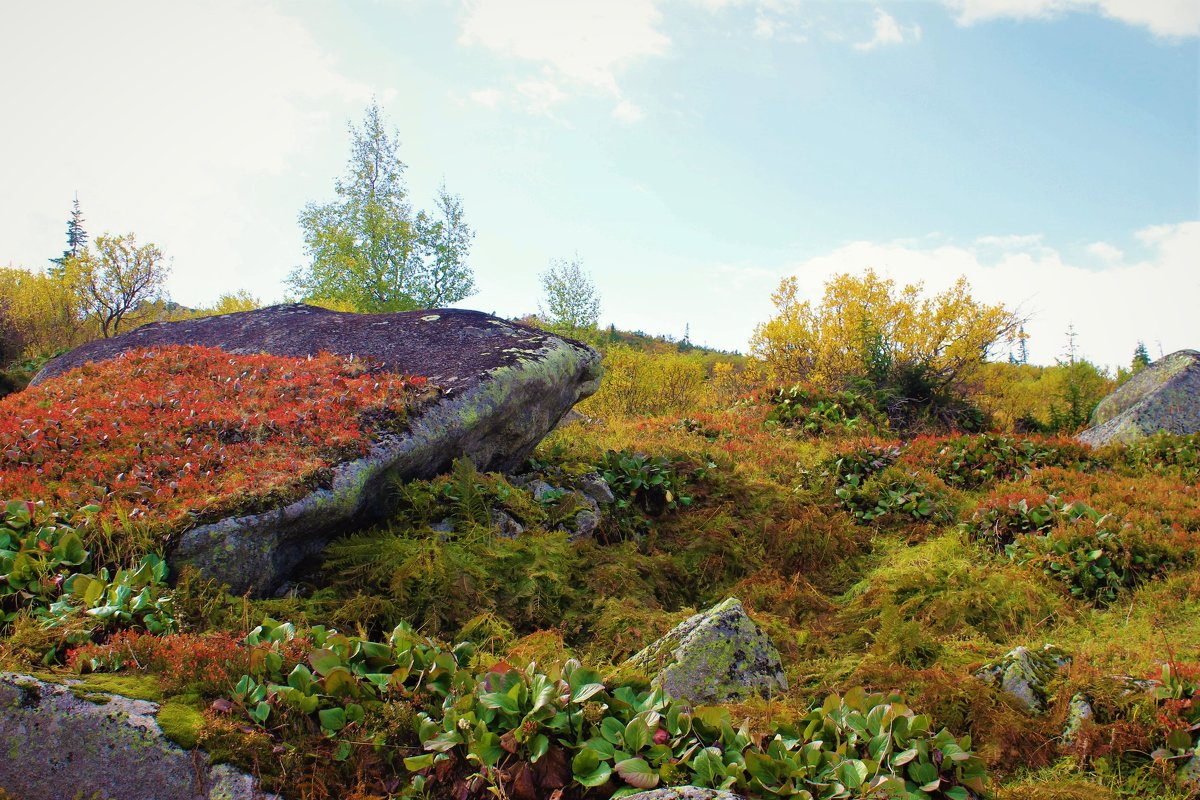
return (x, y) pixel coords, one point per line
(1078, 711)
(57, 744)
(1025, 674)
(585, 525)
(685, 793)
(714, 656)
(507, 524)
(541, 490)
(1163, 397)
(596, 488)
(445, 526)
(505, 385)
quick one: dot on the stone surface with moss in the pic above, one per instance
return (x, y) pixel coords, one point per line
(503, 385)
(715, 656)
(64, 739)
(1162, 398)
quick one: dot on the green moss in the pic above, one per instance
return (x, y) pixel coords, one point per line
(180, 722)
(137, 687)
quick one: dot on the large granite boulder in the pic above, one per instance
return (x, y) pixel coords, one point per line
(713, 657)
(1163, 397)
(504, 387)
(61, 743)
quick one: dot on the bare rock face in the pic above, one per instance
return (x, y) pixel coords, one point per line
(60, 745)
(505, 386)
(1164, 397)
(715, 656)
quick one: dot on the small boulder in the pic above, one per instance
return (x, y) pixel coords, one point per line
(685, 793)
(713, 657)
(1026, 674)
(1164, 397)
(595, 487)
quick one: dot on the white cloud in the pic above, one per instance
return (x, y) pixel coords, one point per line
(541, 95)
(1151, 300)
(164, 116)
(1106, 252)
(489, 98)
(889, 31)
(577, 46)
(1164, 18)
(628, 112)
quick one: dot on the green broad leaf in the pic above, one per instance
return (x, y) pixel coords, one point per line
(340, 683)
(956, 793)
(636, 772)
(598, 776)
(1179, 740)
(932, 786)
(300, 678)
(904, 757)
(603, 748)
(763, 768)
(586, 692)
(69, 550)
(709, 769)
(500, 700)
(487, 750)
(538, 746)
(343, 751)
(612, 730)
(922, 772)
(585, 761)
(332, 719)
(418, 763)
(260, 712)
(324, 661)
(637, 735)
(852, 773)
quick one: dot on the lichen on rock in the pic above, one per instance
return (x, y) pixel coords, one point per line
(715, 656)
(1162, 398)
(1025, 674)
(60, 745)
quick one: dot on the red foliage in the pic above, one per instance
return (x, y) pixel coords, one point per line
(183, 431)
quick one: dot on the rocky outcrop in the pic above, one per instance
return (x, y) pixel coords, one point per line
(1026, 674)
(1163, 397)
(61, 744)
(684, 793)
(714, 656)
(504, 386)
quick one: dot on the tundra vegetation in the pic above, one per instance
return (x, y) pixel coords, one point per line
(884, 483)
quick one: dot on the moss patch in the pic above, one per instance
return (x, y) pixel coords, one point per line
(180, 722)
(136, 687)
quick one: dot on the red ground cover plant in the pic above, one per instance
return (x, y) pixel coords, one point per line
(177, 434)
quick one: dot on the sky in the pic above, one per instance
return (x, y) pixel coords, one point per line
(691, 153)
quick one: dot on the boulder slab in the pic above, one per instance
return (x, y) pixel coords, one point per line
(713, 657)
(60, 745)
(1162, 398)
(504, 387)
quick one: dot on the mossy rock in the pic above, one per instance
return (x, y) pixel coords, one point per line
(60, 741)
(1026, 675)
(715, 656)
(503, 385)
(1162, 398)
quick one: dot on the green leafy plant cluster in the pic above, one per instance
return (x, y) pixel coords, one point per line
(998, 522)
(1178, 696)
(1096, 558)
(892, 492)
(649, 483)
(969, 462)
(510, 732)
(44, 571)
(135, 597)
(1162, 453)
(815, 412)
(36, 556)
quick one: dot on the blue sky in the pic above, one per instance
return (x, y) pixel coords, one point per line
(692, 152)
